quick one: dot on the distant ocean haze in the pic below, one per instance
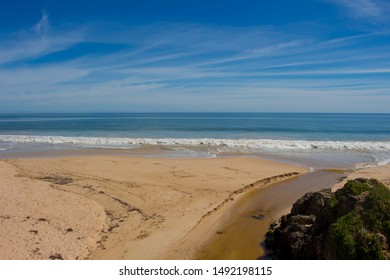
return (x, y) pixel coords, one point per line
(364, 136)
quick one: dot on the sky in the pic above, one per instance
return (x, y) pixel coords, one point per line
(195, 56)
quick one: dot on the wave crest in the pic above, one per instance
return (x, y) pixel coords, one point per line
(230, 144)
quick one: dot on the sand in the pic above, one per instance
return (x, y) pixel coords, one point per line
(38, 221)
(381, 173)
(112, 207)
(117, 207)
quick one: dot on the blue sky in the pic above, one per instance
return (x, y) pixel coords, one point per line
(195, 56)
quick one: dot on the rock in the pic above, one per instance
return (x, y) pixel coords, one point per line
(353, 223)
(303, 219)
(311, 203)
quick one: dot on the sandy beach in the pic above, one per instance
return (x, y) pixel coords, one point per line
(381, 173)
(111, 207)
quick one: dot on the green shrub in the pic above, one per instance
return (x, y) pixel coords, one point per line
(368, 246)
(377, 208)
(352, 188)
(343, 239)
(355, 235)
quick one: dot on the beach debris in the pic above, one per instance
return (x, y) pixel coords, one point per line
(258, 217)
(56, 257)
(36, 251)
(56, 179)
(342, 178)
(5, 217)
(143, 235)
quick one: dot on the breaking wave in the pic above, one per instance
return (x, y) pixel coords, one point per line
(220, 144)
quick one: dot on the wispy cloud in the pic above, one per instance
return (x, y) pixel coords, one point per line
(36, 41)
(42, 26)
(373, 10)
(188, 66)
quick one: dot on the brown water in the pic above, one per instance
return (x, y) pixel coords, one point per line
(242, 237)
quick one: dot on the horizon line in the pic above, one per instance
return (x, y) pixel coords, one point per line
(208, 112)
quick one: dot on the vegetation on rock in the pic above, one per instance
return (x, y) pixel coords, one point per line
(351, 223)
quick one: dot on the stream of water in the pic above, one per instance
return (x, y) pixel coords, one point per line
(242, 237)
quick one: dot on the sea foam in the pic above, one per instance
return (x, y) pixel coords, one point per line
(224, 144)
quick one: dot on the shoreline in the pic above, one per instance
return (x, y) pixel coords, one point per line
(307, 161)
(148, 204)
(315, 153)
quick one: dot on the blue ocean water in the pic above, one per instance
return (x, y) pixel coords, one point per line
(366, 135)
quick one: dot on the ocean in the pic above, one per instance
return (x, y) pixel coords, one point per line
(315, 140)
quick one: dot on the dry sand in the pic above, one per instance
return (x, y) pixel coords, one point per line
(107, 207)
(381, 173)
(39, 222)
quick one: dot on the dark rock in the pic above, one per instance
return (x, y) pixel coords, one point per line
(321, 224)
(311, 203)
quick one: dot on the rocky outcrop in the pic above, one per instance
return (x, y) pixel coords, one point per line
(352, 223)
